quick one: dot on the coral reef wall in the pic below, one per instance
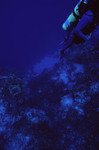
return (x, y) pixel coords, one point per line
(57, 109)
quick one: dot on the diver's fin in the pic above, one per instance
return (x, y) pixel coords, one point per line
(63, 42)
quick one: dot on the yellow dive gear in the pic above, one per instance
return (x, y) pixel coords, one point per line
(74, 16)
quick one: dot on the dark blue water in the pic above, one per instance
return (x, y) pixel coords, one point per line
(30, 30)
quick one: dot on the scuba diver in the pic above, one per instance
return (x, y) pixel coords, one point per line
(84, 14)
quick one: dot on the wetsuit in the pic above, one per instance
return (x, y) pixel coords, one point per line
(91, 12)
(87, 14)
(93, 5)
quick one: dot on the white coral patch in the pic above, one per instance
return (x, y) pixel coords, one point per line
(66, 101)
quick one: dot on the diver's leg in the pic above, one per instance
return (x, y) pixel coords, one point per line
(68, 42)
(70, 37)
(86, 20)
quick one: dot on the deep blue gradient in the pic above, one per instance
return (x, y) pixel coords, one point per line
(30, 30)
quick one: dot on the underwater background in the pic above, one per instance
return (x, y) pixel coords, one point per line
(46, 103)
(30, 30)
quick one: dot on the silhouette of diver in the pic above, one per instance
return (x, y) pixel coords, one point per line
(84, 14)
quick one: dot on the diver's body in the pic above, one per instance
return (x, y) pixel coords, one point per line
(83, 15)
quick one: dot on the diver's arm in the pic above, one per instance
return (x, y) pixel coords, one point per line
(80, 34)
(85, 21)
